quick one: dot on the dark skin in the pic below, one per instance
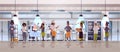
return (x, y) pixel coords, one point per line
(108, 29)
(106, 24)
(12, 23)
(81, 24)
(42, 26)
(67, 25)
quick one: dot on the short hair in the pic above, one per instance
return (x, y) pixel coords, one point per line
(81, 23)
(42, 24)
(107, 23)
(24, 24)
(52, 23)
(67, 22)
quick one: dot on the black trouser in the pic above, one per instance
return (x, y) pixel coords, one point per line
(12, 36)
(53, 38)
(24, 36)
(42, 38)
(33, 38)
(80, 34)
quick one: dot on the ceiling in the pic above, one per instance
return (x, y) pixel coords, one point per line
(60, 1)
(52, 5)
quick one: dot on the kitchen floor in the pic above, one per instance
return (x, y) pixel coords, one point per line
(60, 46)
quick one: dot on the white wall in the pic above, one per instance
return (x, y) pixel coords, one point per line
(4, 27)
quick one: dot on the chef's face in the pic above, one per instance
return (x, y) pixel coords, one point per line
(81, 24)
(67, 24)
(95, 24)
(106, 24)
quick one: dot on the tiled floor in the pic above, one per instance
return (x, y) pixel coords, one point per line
(60, 46)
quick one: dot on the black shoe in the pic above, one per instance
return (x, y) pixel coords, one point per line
(37, 40)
